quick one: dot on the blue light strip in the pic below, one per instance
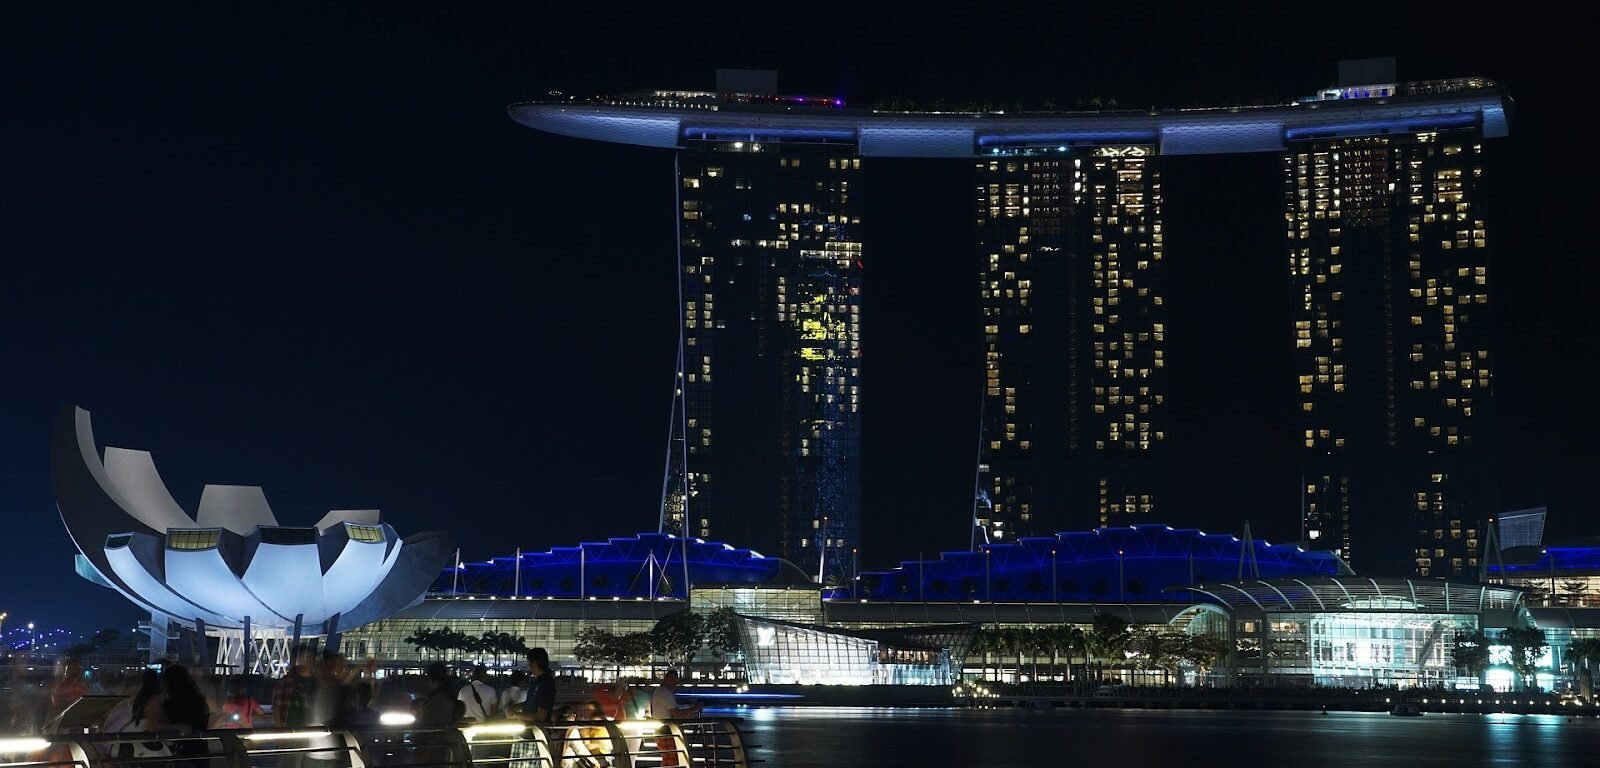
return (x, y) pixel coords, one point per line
(1067, 137)
(765, 133)
(1407, 125)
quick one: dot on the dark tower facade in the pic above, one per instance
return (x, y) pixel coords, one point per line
(1072, 286)
(771, 265)
(1022, 253)
(1388, 265)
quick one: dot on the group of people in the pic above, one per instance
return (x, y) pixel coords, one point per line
(329, 692)
(531, 696)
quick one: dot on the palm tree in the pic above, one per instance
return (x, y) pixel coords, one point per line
(1040, 641)
(424, 640)
(1005, 644)
(982, 644)
(1071, 641)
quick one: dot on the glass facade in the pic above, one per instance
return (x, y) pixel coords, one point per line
(779, 653)
(1558, 575)
(553, 625)
(1388, 261)
(770, 240)
(799, 605)
(1354, 649)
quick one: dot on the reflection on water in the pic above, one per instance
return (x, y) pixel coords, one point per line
(812, 737)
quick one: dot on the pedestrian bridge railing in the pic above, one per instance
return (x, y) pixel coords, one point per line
(511, 744)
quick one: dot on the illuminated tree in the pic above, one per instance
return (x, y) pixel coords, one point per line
(1527, 645)
(678, 635)
(720, 632)
(1204, 652)
(592, 645)
(1585, 652)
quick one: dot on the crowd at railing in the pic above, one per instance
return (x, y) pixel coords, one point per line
(330, 715)
(509, 744)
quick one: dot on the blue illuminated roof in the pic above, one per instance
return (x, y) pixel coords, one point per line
(964, 134)
(1533, 561)
(1125, 564)
(619, 567)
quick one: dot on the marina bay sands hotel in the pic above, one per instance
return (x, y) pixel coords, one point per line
(1385, 257)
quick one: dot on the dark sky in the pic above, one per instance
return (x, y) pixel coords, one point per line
(303, 247)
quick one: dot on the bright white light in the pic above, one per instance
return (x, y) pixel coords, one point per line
(397, 718)
(285, 736)
(640, 727)
(493, 729)
(15, 746)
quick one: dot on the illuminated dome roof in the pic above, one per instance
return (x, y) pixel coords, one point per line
(233, 560)
(1125, 564)
(646, 565)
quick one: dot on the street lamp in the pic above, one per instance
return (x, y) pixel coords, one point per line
(33, 639)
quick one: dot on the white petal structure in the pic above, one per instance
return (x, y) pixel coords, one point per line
(232, 562)
(239, 508)
(357, 516)
(138, 487)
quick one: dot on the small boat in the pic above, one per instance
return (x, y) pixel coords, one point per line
(1406, 709)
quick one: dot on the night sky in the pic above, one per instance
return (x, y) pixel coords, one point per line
(305, 248)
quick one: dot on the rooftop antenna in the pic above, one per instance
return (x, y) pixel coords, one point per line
(822, 554)
(651, 563)
(677, 428)
(980, 498)
(1247, 550)
(1491, 548)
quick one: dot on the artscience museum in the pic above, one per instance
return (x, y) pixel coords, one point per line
(231, 571)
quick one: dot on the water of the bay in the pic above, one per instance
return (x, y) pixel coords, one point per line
(816, 737)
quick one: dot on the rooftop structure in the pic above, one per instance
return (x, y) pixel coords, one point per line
(668, 119)
(649, 565)
(1125, 564)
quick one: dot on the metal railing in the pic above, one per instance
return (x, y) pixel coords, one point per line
(510, 744)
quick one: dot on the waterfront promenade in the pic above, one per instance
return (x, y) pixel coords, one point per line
(1316, 699)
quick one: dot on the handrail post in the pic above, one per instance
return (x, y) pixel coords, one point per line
(621, 753)
(86, 755)
(736, 744)
(458, 752)
(680, 745)
(234, 753)
(352, 747)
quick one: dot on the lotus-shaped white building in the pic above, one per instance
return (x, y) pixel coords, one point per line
(230, 570)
